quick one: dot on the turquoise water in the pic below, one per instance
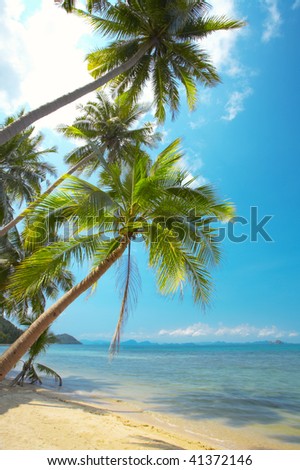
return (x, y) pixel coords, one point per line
(238, 385)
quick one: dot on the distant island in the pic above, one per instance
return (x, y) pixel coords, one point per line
(66, 339)
(134, 343)
(9, 333)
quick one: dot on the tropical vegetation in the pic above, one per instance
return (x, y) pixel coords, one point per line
(154, 45)
(31, 369)
(112, 127)
(8, 332)
(156, 203)
(23, 169)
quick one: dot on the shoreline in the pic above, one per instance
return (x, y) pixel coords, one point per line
(33, 418)
(37, 418)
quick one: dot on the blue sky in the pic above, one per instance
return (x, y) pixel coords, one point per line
(243, 138)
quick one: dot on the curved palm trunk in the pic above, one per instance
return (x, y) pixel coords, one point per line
(20, 124)
(48, 191)
(14, 353)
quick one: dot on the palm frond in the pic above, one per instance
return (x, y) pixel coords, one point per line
(97, 5)
(167, 159)
(201, 27)
(129, 280)
(49, 372)
(165, 256)
(104, 249)
(46, 264)
(198, 278)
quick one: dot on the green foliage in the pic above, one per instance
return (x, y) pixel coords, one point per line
(22, 169)
(30, 366)
(13, 254)
(114, 127)
(29, 373)
(155, 201)
(128, 281)
(172, 31)
(158, 202)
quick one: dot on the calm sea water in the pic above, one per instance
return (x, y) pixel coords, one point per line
(238, 385)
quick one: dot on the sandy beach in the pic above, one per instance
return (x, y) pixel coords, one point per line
(35, 418)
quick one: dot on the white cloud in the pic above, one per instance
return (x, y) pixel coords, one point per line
(296, 5)
(243, 331)
(273, 21)
(199, 329)
(271, 331)
(221, 45)
(240, 330)
(198, 123)
(235, 104)
(41, 58)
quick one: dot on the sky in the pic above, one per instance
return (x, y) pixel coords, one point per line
(243, 139)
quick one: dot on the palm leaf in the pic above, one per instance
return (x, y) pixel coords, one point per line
(50, 372)
(46, 263)
(129, 280)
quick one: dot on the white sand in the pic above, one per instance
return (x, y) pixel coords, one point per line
(32, 418)
(36, 418)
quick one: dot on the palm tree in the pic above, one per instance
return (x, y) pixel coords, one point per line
(154, 39)
(30, 367)
(96, 5)
(22, 169)
(111, 126)
(12, 254)
(154, 201)
(114, 126)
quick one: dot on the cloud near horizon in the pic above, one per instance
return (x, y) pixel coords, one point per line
(243, 331)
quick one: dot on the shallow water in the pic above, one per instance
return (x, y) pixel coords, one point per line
(252, 390)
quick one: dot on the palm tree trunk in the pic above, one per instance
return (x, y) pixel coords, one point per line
(14, 353)
(20, 124)
(48, 191)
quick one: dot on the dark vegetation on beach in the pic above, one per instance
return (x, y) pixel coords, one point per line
(8, 332)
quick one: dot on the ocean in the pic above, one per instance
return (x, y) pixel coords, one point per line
(232, 395)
